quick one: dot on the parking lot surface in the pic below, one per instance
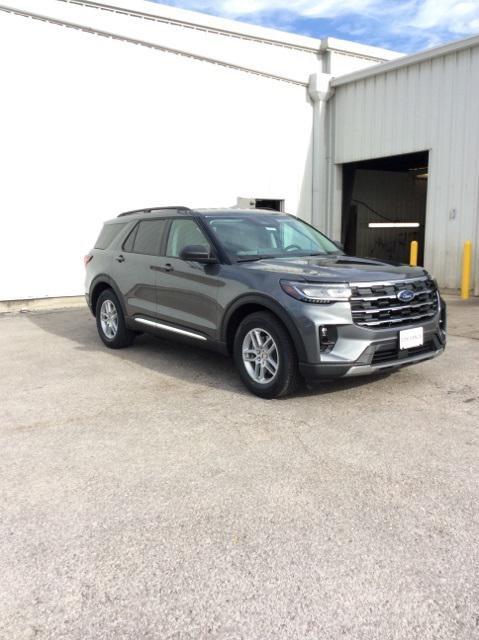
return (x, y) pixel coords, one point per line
(146, 494)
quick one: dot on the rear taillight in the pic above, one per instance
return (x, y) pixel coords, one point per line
(87, 259)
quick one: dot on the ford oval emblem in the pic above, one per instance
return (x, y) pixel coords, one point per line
(406, 295)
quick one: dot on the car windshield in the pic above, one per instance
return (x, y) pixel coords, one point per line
(261, 235)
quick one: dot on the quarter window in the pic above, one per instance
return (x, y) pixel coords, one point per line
(108, 234)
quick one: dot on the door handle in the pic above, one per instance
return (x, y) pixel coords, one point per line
(120, 258)
(168, 267)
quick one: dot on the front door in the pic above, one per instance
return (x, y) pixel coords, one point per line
(188, 291)
(135, 268)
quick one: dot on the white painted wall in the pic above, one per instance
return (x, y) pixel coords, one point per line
(292, 60)
(90, 127)
(342, 57)
(430, 105)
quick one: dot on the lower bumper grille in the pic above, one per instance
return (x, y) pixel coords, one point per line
(380, 306)
(391, 352)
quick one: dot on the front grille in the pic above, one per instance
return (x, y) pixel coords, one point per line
(377, 305)
(392, 353)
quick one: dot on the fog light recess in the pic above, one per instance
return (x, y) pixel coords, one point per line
(328, 336)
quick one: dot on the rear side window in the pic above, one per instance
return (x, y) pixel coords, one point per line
(128, 244)
(108, 234)
(148, 237)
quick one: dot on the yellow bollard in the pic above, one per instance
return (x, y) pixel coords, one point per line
(466, 270)
(413, 254)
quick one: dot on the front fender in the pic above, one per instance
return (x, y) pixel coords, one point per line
(271, 305)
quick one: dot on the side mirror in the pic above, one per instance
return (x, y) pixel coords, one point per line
(197, 253)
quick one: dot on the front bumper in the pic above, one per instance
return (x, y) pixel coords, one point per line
(332, 371)
(363, 351)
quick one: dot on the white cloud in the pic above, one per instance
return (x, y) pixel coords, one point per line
(412, 23)
(304, 8)
(301, 8)
(460, 14)
(451, 15)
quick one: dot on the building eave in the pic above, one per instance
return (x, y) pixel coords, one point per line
(235, 28)
(194, 19)
(358, 49)
(407, 61)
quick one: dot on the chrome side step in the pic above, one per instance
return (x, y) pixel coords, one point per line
(165, 327)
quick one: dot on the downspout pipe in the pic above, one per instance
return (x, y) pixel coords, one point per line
(320, 92)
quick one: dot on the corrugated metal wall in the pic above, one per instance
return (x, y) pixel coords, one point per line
(432, 105)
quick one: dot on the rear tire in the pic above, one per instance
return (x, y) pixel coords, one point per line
(265, 356)
(110, 321)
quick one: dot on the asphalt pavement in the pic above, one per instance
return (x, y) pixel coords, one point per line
(144, 494)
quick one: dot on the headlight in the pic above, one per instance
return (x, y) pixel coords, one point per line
(317, 293)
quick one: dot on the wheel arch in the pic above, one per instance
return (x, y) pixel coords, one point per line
(99, 284)
(247, 304)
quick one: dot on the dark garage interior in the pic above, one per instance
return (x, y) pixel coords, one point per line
(384, 206)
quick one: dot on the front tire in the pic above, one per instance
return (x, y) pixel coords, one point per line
(110, 321)
(265, 356)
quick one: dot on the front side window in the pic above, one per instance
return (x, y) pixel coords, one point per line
(254, 236)
(147, 237)
(184, 233)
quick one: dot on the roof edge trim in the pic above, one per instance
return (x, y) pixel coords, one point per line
(151, 45)
(407, 61)
(206, 22)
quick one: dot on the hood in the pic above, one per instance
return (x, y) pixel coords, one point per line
(336, 268)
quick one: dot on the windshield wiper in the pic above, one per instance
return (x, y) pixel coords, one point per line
(253, 258)
(327, 253)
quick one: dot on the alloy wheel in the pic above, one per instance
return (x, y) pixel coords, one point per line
(109, 319)
(260, 356)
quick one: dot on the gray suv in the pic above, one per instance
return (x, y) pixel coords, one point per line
(264, 287)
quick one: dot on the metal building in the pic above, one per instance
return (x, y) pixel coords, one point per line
(405, 147)
(109, 105)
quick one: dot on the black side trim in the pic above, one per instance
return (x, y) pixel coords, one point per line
(323, 371)
(274, 307)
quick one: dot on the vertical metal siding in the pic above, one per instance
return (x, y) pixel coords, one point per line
(431, 105)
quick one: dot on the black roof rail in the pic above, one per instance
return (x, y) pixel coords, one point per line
(151, 209)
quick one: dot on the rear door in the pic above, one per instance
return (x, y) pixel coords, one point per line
(136, 267)
(188, 291)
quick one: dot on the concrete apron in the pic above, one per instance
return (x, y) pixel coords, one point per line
(42, 304)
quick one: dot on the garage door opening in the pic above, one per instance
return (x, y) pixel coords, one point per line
(384, 206)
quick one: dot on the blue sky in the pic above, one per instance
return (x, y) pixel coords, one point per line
(403, 25)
